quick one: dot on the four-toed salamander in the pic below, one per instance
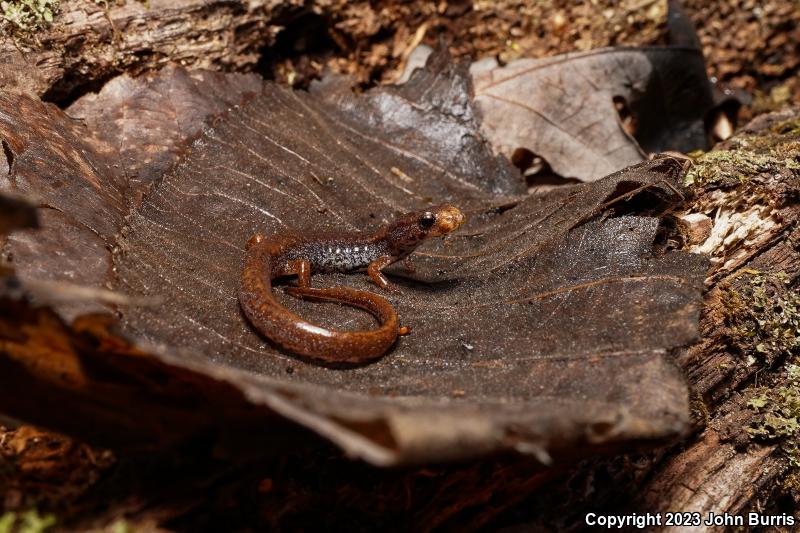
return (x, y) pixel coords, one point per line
(287, 254)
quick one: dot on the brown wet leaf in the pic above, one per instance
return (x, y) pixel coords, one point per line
(542, 326)
(16, 213)
(81, 196)
(88, 167)
(149, 121)
(563, 108)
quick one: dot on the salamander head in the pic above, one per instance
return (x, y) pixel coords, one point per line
(409, 230)
(440, 220)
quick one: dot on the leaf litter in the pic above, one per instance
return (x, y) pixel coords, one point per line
(563, 108)
(543, 326)
(591, 113)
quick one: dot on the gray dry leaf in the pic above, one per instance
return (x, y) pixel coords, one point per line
(543, 326)
(562, 108)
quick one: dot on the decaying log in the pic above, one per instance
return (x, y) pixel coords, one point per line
(743, 373)
(743, 453)
(90, 42)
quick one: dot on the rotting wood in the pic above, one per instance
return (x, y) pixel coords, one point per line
(90, 42)
(741, 372)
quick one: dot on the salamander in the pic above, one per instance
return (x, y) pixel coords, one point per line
(288, 254)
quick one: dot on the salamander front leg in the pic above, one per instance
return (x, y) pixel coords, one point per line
(374, 271)
(301, 267)
(254, 240)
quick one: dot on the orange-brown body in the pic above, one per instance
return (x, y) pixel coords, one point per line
(289, 254)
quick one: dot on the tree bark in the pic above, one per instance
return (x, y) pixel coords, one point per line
(90, 42)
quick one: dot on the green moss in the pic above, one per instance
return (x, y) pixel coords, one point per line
(791, 482)
(121, 526)
(787, 127)
(7, 521)
(29, 15)
(763, 315)
(779, 420)
(777, 98)
(740, 164)
(28, 522)
(764, 318)
(758, 402)
(748, 156)
(789, 153)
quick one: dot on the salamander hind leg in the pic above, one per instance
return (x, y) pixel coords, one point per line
(301, 267)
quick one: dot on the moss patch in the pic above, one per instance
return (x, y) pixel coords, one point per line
(28, 15)
(714, 166)
(748, 156)
(28, 522)
(779, 415)
(764, 316)
(787, 127)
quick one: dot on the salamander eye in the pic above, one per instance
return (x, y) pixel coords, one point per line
(427, 220)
